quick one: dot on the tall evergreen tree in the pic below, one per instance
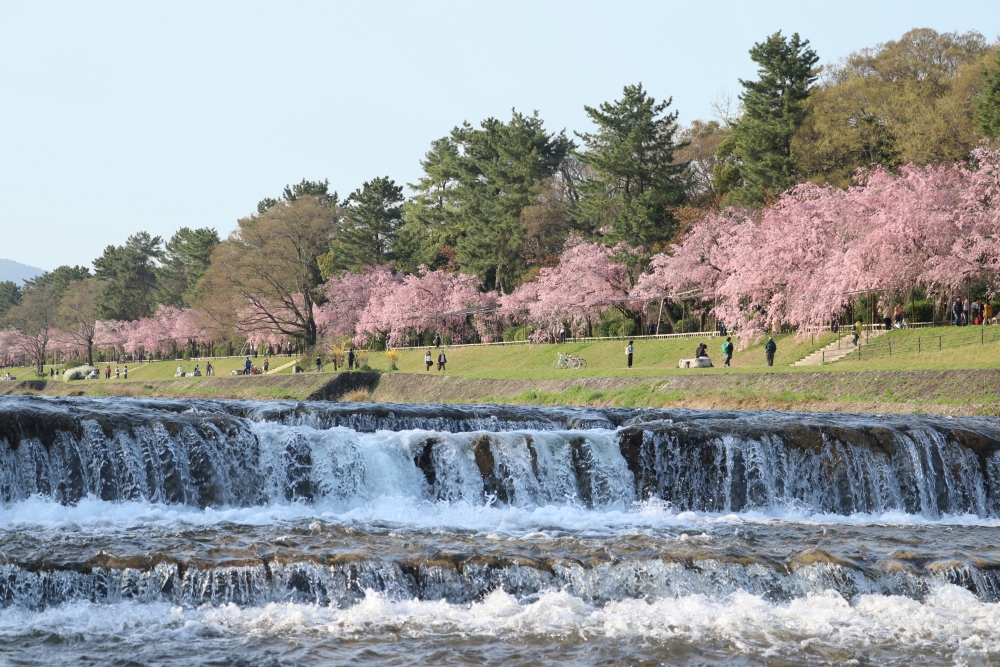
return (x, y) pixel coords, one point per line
(988, 102)
(756, 160)
(428, 235)
(372, 216)
(499, 171)
(59, 279)
(185, 258)
(10, 296)
(129, 276)
(305, 188)
(633, 181)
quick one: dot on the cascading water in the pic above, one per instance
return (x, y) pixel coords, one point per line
(578, 533)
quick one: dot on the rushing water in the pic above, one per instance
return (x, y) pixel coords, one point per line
(242, 533)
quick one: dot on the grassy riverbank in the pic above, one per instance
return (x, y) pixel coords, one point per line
(961, 380)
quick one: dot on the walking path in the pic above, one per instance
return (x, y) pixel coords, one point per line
(838, 349)
(281, 368)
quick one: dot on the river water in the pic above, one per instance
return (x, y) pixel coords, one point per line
(155, 532)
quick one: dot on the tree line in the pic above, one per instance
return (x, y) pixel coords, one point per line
(503, 200)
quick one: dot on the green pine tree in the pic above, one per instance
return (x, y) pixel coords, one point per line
(372, 217)
(429, 233)
(129, 276)
(186, 256)
(988, 102)
(633, 181)
(499, 171)
(756, 162)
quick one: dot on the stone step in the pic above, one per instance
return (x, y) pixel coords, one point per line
(837, 350)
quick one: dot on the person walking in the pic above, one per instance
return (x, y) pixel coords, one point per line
(208, 368)
(856, 332)
(126, 371)
(107, 372)
(727, 351)
(428, 360)
(350, 359)
(769, 349)
(247, 365)
(319, 364)
(118, 373)
(957, 308)
(628, 353)
(267, 364)
(442, 361)
(437, 340)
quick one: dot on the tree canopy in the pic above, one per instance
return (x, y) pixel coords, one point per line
(632, 181)
(756, 160)
(909, 100)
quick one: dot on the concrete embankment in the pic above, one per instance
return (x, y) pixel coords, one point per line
(326, 386)
(958, 392)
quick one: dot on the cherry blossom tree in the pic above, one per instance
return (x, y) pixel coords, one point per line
(589, 278)
(800, 260)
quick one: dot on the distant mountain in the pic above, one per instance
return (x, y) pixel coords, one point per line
(11, 270)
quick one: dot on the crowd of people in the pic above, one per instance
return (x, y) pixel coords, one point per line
(965, 313)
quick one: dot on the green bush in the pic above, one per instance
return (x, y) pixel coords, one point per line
(922, 311)
(515, 334)
(688, 325)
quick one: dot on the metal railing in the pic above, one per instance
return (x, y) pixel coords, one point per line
(581, 339)
(976, 335)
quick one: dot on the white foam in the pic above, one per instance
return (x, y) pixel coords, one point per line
(950, 620)
(406, 513)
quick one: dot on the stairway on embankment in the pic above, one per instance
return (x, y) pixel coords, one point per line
(838, 349)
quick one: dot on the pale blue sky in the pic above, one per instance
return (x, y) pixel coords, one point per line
(127, 116)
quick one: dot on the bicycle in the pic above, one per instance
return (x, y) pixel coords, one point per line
(564, 361)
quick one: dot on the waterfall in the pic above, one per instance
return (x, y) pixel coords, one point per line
(213, 454)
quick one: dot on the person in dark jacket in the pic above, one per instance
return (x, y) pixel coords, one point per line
(727, 351)
(769, 349)
(958, 309)
(350, 358)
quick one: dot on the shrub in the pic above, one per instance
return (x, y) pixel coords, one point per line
(515, 334)
(393, 357)
(356, 396)
(688, 325)
(78, 373)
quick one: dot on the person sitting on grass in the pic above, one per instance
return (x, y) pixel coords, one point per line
(178, 374)
(196, 373)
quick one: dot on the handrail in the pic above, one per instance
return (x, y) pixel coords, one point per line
(979, 335)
